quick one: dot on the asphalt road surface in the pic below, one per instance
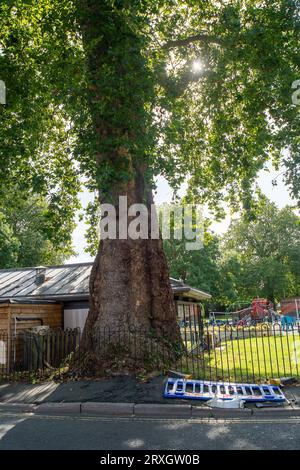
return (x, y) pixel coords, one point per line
(19, 432)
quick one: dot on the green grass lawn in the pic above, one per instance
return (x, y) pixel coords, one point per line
(249, 360)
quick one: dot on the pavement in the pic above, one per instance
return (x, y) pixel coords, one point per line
(32, 432)
(125, 397)
(90, 415)
(123, 389)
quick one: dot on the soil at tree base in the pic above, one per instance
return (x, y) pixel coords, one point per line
(125, 389)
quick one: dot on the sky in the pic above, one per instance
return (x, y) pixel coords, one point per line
(278, 194)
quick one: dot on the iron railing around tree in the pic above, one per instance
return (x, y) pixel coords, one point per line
(226, 353)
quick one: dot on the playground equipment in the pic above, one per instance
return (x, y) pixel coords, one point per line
(217, 322)
(260, 310)
(288, 322)
(215, 318)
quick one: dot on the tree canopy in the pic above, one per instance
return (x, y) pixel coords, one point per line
(215, 124)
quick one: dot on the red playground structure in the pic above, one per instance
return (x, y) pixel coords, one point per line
(260, 310)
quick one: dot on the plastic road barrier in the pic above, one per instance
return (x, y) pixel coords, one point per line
(206, 390)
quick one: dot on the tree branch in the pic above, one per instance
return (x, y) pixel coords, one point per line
(196, 38)
(177, 86)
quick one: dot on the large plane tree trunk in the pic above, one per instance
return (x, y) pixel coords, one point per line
(131, 308)
(129, 284)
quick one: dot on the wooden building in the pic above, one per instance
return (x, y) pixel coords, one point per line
(66, 289)
(17, 317)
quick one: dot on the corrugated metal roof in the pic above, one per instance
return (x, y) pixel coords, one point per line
(66, 282)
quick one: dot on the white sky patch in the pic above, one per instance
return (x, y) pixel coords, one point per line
(2, 92)
(197, 66)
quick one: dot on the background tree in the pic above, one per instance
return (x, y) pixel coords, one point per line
(198, 268)
(111, 90)
(26, 233)
(259, 258)
(266, 253)
(9, 245)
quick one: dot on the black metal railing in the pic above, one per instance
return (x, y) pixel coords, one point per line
(218, 353)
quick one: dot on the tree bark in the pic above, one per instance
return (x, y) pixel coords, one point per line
(131, 307)
(129, 284)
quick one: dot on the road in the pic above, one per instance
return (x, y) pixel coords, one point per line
(19, 432)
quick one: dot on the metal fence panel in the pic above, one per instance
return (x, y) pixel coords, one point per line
(218, 353)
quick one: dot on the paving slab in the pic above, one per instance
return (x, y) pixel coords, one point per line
(17, 407)
(58, 408)
(107, 409)
(161, 411)
(27, 393)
